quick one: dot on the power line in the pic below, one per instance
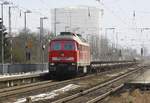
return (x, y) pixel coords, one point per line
(112, 12)
(44, 3)
(20, 11)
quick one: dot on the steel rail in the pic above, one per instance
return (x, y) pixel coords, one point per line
(69, 98)
(19, 80)
(105, 94)
(34, 86)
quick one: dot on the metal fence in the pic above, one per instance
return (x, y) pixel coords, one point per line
(22, 68)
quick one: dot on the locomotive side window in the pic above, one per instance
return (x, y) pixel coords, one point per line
(56, 45)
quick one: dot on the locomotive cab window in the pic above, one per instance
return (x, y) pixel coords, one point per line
(69, 45)
(56, 45)
(63, 45)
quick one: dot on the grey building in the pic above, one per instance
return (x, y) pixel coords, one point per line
(84, 20)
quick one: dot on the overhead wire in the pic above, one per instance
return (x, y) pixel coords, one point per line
(114, 14)
(46, 6)
(135, 25)
(123, 21)
(120, 8)
(22, 10)
(44, 3)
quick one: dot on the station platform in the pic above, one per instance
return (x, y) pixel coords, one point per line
(143, 80)
(22, 75)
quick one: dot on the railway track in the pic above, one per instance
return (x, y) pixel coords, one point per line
(23, 79)
(25, 88)
(51, 85)
(96, 93)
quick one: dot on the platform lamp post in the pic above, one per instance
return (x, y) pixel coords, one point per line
(10, 33)
(25, 19)
(2, 39)
(55, 17)
(42, 47)
(25, 30)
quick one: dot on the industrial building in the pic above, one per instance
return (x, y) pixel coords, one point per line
(80, 19)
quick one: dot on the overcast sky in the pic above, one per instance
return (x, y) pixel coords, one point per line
(124, 15)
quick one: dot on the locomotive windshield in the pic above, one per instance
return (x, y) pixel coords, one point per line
(63, 45)
(56, 45)
(69, 45)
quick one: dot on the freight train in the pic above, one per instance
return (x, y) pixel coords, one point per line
(69, 54)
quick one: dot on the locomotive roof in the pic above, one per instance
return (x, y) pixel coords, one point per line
(71, 37)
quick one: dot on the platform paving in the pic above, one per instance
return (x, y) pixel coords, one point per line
(141, 81)
(144, 78)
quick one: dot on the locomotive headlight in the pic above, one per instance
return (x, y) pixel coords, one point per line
(52, 64)
(70, 58)
(55, 58)
(73, 63)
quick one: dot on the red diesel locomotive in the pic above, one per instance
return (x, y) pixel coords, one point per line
(69, 54)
